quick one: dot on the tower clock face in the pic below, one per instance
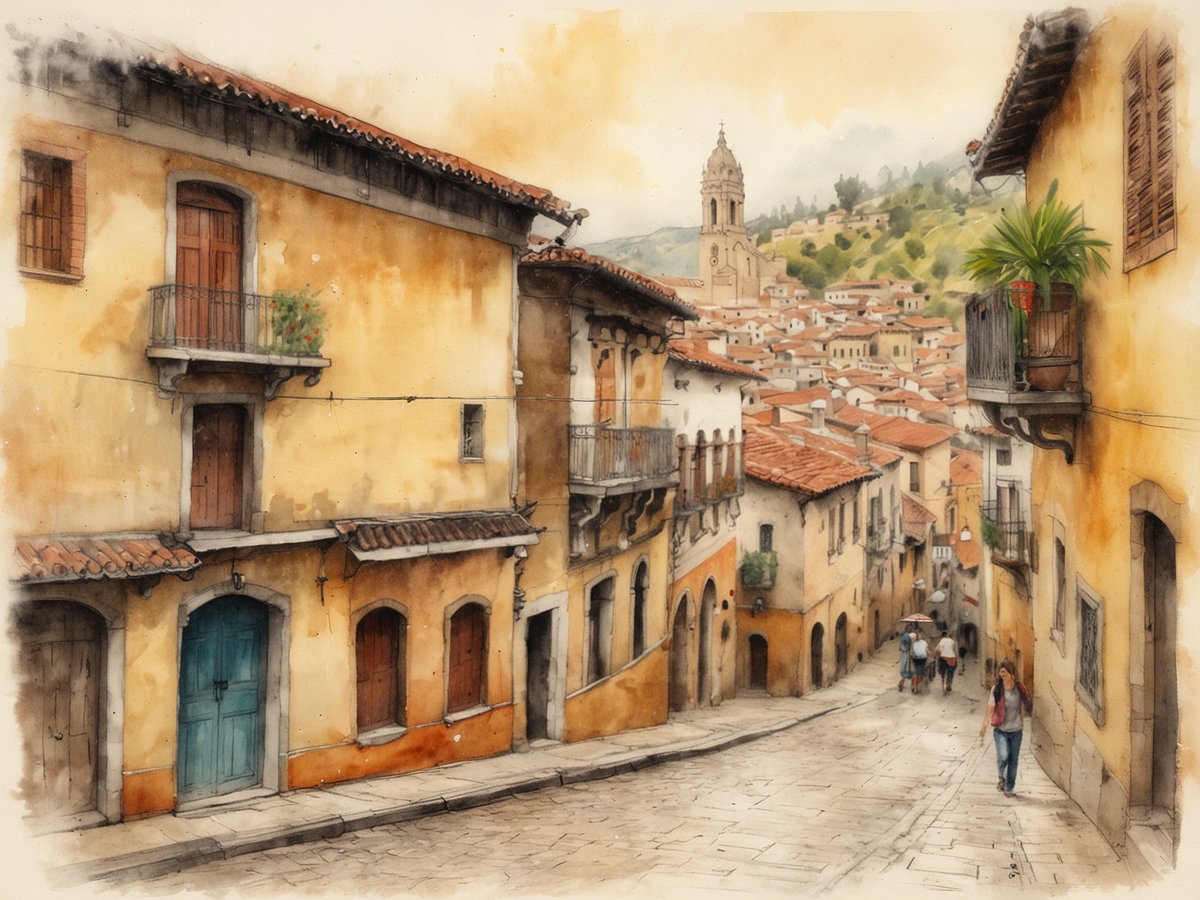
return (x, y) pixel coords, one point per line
(712, 255)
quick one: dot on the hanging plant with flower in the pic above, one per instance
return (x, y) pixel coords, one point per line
(297, 322)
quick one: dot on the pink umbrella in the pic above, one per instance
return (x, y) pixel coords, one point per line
(918, 617)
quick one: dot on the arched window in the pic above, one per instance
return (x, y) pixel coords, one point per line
(599, 612)
(380, 647)
(712, 206)
(733, 212)
(468, 655)
(641, 587)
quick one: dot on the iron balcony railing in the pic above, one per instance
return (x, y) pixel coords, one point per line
(1004, 531)
(200, 318)
(1016, 340)
(599, 455)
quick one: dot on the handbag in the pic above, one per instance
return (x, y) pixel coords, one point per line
(951, 661)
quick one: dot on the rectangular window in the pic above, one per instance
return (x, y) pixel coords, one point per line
(1088, 683)
(1004, 455)
(856, 526)
(472, 432)
(832, 532)
(841, 525)
(1149, 151)
(52, 211)
(914, 477)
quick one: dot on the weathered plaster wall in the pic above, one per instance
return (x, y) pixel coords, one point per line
(721, 568)
(1139, 333)
(401, 298)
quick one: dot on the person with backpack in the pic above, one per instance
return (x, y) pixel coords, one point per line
(920, 656)
(1008, 703)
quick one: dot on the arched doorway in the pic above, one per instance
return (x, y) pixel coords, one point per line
(60, 669)
(679, 692)
(222, 694)
(704, 667)
(758, 662)
(817, 650)
(841, 647)
(1157, 710)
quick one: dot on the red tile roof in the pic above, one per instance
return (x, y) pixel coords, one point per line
(966, 467)
(648, 288)
(897, 431)
(842, 444)
(63, 558)
(220, 80)
(414, 535)
(969, 553)
(773, 459)
(916, 517)
(696, 354)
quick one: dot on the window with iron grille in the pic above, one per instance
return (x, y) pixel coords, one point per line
(52, 201)
(1088, 684)
(1149, 151)
(914, 477)
(472, 432)
(766, 538)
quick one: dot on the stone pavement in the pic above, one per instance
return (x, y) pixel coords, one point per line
(961, 835)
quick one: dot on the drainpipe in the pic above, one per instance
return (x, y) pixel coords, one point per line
(514, 467)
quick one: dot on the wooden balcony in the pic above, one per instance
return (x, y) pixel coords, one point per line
(1025, 364)
(194, 329)
(604, 460)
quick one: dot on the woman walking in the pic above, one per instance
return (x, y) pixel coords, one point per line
(1008, 704)
(905, 657)
(920, 658)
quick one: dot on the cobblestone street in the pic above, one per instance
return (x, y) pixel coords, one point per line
(895, 790)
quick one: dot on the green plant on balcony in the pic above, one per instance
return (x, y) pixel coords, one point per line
(991, 533)
(758, 568)
(297, 323)
(1050, 244)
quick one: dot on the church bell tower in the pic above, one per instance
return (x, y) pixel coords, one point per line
(722, 220)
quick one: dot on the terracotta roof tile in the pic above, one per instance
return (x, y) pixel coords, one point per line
(229, 82)
(897, 431)
(774, 459)
(969, 553)
(436, 533)
(68, 558)
(916, 517)
(696, 353)
(966, 467)
(651, 290)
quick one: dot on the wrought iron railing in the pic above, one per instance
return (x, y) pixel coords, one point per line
(598, 454)
(1004, 532)
(200, 318)
(1017, 341)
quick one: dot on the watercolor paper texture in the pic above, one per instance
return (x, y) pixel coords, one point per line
(311, 474)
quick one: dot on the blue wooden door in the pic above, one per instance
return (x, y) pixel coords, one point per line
(221, 690)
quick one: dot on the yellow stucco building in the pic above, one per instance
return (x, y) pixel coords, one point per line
(601, 465)
(260, 436)
(1116, 467)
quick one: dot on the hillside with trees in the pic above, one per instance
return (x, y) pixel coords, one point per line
(907, 227)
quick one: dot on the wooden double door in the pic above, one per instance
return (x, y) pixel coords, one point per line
(222, 693)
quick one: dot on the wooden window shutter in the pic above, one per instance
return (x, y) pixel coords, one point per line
(468, 652)
(379, 658)
(1149, 152)
(218, 440)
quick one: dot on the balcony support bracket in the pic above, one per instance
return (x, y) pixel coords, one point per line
(1032, 430)
(170, 373)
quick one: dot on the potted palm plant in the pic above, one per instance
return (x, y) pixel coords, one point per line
(1043, 257)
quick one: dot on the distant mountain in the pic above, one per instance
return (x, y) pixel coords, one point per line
(667, 251)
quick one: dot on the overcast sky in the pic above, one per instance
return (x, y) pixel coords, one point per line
(615, 105)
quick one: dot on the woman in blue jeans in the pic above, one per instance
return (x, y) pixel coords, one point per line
(1008, 704)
